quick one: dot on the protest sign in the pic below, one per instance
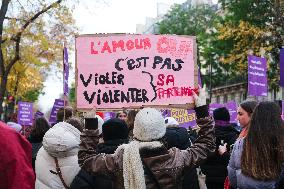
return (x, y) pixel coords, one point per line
(185, 118)
(257, 76)
(38, 114)
(109, 115)
(282, 107)
(25, 113)
(65, 72)
(281, 55)
(116, 71)
(214, 106)
(231, 107)
(58, 103)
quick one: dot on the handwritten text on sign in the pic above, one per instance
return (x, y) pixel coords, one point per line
(132, 70)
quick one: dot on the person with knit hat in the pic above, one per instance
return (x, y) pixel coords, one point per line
(179, 137)
(114, 133)
(146, 162)
(215, 167)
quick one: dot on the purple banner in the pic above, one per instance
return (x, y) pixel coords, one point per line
(25, 113)
(257, 76)
(214, 106)
(38, 114)
(65, 72)
(109, 115)
(185, 118)
(57, 104)
(281, 82)
(232, 108)
(199, 78)
(282, 110)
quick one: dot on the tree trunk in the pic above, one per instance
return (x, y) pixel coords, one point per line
(2, 92)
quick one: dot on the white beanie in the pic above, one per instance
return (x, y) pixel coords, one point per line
(100, 123)
(149, 125)
(170, 121)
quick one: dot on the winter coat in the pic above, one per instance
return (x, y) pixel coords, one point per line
(280, 181)
(15, 160)
(168, 166)
(215, 167)
(85, 180)
(36, 145)
(61, 141)
(179, 137)
(237, 179)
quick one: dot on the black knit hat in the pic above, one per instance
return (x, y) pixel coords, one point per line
(221, 114)
(114, 129)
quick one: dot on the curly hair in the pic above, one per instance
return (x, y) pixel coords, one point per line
(263, 150)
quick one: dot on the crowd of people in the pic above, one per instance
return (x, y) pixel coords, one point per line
(142, 149)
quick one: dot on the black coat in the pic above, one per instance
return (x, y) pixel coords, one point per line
(215, 167)
(179, 137)
(36, 145)
(84, 180)
(280, 183)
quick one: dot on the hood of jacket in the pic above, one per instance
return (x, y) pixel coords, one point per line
(62, 140)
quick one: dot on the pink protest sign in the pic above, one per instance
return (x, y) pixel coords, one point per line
(115, 71)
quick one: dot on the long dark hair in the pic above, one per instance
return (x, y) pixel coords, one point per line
(263, 150)
(40, 127)
(248, 106)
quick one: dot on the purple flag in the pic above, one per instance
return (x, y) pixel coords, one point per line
(199, 78)
(281, 82)
(185, 118)
(257, 76)
(282, 115)
(109, 115)
(38, 114)
(65, 72)
(25, 113)
(58, 103)
(214, 106)
(232, 108)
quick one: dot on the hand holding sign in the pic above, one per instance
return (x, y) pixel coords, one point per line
(200, 99)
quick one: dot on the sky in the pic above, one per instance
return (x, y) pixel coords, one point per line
(102, 16)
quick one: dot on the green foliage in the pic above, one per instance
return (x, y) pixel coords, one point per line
(32, 96)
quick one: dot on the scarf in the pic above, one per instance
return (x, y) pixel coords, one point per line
(133, 172)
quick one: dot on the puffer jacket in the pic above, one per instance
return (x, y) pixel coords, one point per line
(237, 179)
(168, 166)
(61, 141)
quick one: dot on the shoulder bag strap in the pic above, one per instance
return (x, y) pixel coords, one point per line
(150, 174)
(60, 173)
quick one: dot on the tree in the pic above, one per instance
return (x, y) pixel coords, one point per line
(199, 21)
(31, 37)
(253, 26)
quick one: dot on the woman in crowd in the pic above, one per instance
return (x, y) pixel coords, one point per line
(146, 162)
(122, 115)
(245, 111)
(40, 127)
(257, 158)
(215, 167)
(56, 163)
(114, 134)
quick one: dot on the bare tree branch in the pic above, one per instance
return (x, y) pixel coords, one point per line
(17, 37)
